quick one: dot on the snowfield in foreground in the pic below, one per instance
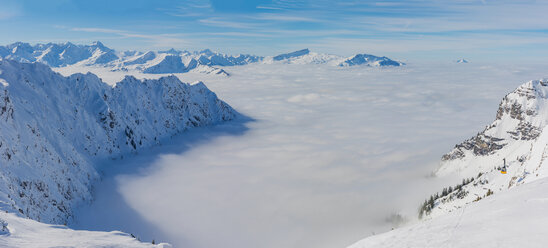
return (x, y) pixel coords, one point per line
(334, 154)
(29, 233)
(514, 218)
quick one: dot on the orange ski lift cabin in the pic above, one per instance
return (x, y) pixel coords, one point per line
(503, 170)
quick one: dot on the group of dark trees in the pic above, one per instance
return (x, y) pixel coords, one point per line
(430, 203)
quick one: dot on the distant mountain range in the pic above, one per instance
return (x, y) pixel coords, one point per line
(170, 61)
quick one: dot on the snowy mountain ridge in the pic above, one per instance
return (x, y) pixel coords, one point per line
(169, 61)
(54, 128)
(56, 55)
(515, 143)
(304, 56)
(504, 171)
(96, 54)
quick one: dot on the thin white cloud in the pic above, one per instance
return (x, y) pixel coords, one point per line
(192, 8)
(219, 22)
(99, 30)
(268, 7)
(154, 40)
(6, 15)
(287, 18)
(9, 10)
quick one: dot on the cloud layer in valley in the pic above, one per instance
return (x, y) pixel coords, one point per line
(331, 154)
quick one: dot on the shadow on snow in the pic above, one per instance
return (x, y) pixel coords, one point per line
(110, 212)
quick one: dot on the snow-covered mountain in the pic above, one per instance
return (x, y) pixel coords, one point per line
(55, 127)
(516, 138)
(96, 54)
(169, 61)
(513, 218)
(304, 56)
(369, 60)
(291, 55)
(504, 176)
(462, 61)
(55, 55)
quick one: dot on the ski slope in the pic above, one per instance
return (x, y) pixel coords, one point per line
(513, 218)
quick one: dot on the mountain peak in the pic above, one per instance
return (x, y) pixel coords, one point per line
(97, 44)
(291, 54)
(171, 51)
(369, 60)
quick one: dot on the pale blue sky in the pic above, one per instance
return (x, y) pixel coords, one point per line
(407, 30)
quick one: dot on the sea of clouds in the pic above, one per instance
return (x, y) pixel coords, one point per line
(326, 157)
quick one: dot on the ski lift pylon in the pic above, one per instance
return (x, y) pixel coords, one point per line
(503, 170)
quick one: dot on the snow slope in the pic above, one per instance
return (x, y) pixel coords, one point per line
(517, 136)
(490, 208)
(514, 218)
(23, 232)
(54, 128)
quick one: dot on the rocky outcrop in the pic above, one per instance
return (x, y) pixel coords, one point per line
(510, 151)
(516, 119)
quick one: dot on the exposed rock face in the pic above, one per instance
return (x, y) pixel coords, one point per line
(291, 55)
(511, 151)
(479, 145)
(516, 119)
(525, 131)
(54, 127)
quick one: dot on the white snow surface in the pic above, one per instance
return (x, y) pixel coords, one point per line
(514, 218)
(23, 232)
(332, 154)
